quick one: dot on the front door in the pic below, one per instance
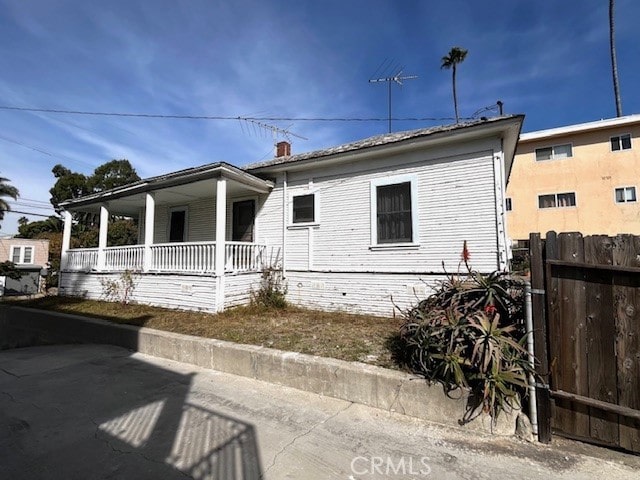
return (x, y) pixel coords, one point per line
(244, 214)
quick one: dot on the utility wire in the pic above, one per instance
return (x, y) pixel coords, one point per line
(27, 213)
(222, 117)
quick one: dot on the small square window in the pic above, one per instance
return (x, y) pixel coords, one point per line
(626, 194)
(304, 209)
(507, 204)
(566, 199)
(621, 142)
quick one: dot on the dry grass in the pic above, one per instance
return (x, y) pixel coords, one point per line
(336, 335)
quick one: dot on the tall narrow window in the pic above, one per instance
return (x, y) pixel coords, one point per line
(178, 225)
(508, 205)
(394, 216)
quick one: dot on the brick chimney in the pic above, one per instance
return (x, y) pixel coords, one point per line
(283, 149)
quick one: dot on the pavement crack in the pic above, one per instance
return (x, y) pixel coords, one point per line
(11, 373)
(98, 437)
(302, 435)
(10, 396)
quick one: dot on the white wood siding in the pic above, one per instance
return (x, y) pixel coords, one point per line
(238, 288)
(365, 293)
(188, 292)
(456, 202)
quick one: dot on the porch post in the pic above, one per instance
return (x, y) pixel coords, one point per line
(221, 228)
(66, 239)
(149, 224)
(102, 237)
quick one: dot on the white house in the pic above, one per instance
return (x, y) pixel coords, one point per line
(357, 227)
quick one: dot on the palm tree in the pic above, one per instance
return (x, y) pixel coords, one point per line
(6, 190)
(614, 63)
(456, 55)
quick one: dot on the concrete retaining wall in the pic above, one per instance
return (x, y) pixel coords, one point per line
(352, 381)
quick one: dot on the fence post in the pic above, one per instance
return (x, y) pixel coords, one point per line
(543, 399)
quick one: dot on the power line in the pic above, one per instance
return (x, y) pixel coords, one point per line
(31, 205)
(222, 117)
(27, 213)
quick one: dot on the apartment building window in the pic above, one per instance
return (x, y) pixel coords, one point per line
(621, 142)
(625, 194)
(555, 152)
(21, 254)
(557, 200)
(507, 204)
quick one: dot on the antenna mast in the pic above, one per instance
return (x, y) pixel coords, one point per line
(397, 78)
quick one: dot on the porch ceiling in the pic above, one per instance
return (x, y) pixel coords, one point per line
(179, 194)
(175, 188)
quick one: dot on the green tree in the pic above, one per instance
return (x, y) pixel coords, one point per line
(614, 62)
(111, 175)
(68, 186)
(455, 56)
(28, 229)
(6, 190)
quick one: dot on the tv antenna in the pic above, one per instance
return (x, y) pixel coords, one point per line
(390, 79)
(254, 126)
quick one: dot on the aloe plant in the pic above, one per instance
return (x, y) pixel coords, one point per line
(469, 333)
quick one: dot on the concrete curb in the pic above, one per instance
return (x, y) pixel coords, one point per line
(356, 382)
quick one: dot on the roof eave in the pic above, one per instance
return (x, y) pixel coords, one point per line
(512, 124)
(217, 170)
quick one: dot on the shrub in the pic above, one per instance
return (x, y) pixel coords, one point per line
(272, 292)
(119, 290)
(470, 334)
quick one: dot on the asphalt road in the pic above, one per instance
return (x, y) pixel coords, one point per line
(100, 412)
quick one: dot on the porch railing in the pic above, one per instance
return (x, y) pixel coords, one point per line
(82, 259)
(184, 257)
(124, 258)
(244, 257)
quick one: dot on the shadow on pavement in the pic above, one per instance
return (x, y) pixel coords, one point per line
(92, 411)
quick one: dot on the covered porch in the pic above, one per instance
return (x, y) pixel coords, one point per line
(199, 221)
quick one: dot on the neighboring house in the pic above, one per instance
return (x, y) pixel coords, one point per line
(30, 256)
(579, 178)
(357, 227)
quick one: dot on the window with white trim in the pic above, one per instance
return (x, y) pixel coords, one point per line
(21, 254)
(394, 211)
(555, 152)
(304, 208)
(557, 200)
(621, 142)
(625, 194)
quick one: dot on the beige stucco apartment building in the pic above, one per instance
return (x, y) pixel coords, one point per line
(582, 178)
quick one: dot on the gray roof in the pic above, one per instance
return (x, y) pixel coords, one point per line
(376, 141)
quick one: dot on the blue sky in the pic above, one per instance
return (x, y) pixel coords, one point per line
(287, 59)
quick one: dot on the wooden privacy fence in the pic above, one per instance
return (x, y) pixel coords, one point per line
(586, 312)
